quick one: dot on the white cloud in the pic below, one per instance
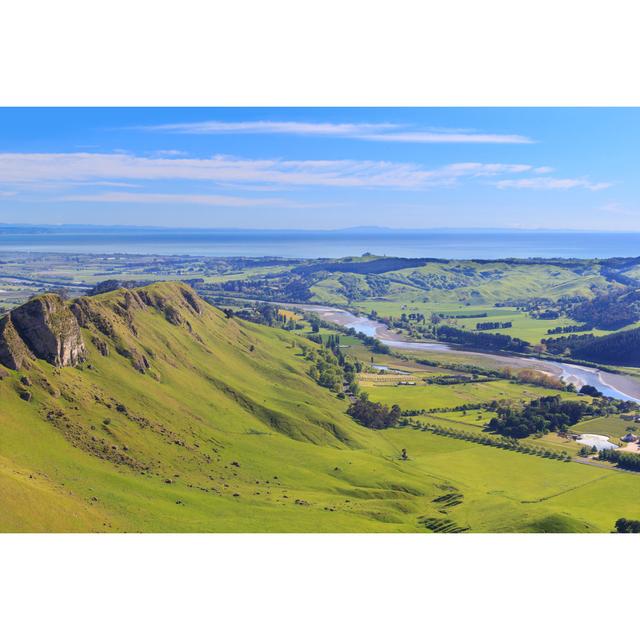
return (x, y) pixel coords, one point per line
(172, 153)
(178, 198)
(268, 126)
(71, 175)
(552, 184)
(38, 169)
(429, 137)
(382, 132)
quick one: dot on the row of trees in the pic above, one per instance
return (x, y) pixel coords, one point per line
(572, 328)
(483, 326)
(510, 444)
(470, 406)
(490, 341)
(624, 459)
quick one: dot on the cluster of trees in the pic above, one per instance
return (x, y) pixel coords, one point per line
(373, 414)
(483, 326)
(621, 348)
(265, 313)
(274, 287)
(550, 413)
(624, 459)
(289, 323)
(325, 368)
(439, 281)
(510, 444)
(357, 287)
(547, 314)
(112, 285)
(330, 368)
(491, 341)
(627, 526)
(525, 304)
(373, 343)
(590, 390)
(611, 310)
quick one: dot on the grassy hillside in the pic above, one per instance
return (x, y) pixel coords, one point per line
(182, 419)
(468, 283)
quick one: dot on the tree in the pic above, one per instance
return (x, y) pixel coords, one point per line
(373, 414)
(627, 526)
(589, 390)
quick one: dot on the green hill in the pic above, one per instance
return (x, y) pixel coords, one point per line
(154, 411)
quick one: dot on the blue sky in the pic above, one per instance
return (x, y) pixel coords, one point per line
(322, 168)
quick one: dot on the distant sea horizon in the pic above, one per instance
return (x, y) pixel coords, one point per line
(485, 244)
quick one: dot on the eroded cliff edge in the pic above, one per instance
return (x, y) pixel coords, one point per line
(42, 328)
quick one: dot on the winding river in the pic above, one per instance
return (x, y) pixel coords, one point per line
(613, 385)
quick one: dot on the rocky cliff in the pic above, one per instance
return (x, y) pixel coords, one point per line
(42, 328)
(14, 353)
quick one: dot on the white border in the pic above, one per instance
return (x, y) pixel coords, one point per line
(312, 53)
(316, 586)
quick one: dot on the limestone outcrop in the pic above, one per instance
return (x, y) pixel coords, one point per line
(42, 328)
(14, 353)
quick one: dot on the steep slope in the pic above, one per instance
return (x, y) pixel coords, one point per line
(183, 419)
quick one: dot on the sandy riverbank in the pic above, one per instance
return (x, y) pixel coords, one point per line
(627, 384)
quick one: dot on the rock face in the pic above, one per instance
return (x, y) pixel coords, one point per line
(14, 353)
(44, 327)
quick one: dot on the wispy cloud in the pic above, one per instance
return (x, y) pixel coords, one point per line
(428, 137)
(375, 132)
(273, 127)
(556, 184)
(39, 169)
(75, 176)
(170, 153)
(618, 208)
(179, 198)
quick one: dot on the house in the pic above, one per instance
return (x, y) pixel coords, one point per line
(629, 437)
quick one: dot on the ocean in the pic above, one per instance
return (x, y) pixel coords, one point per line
(321, 244)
